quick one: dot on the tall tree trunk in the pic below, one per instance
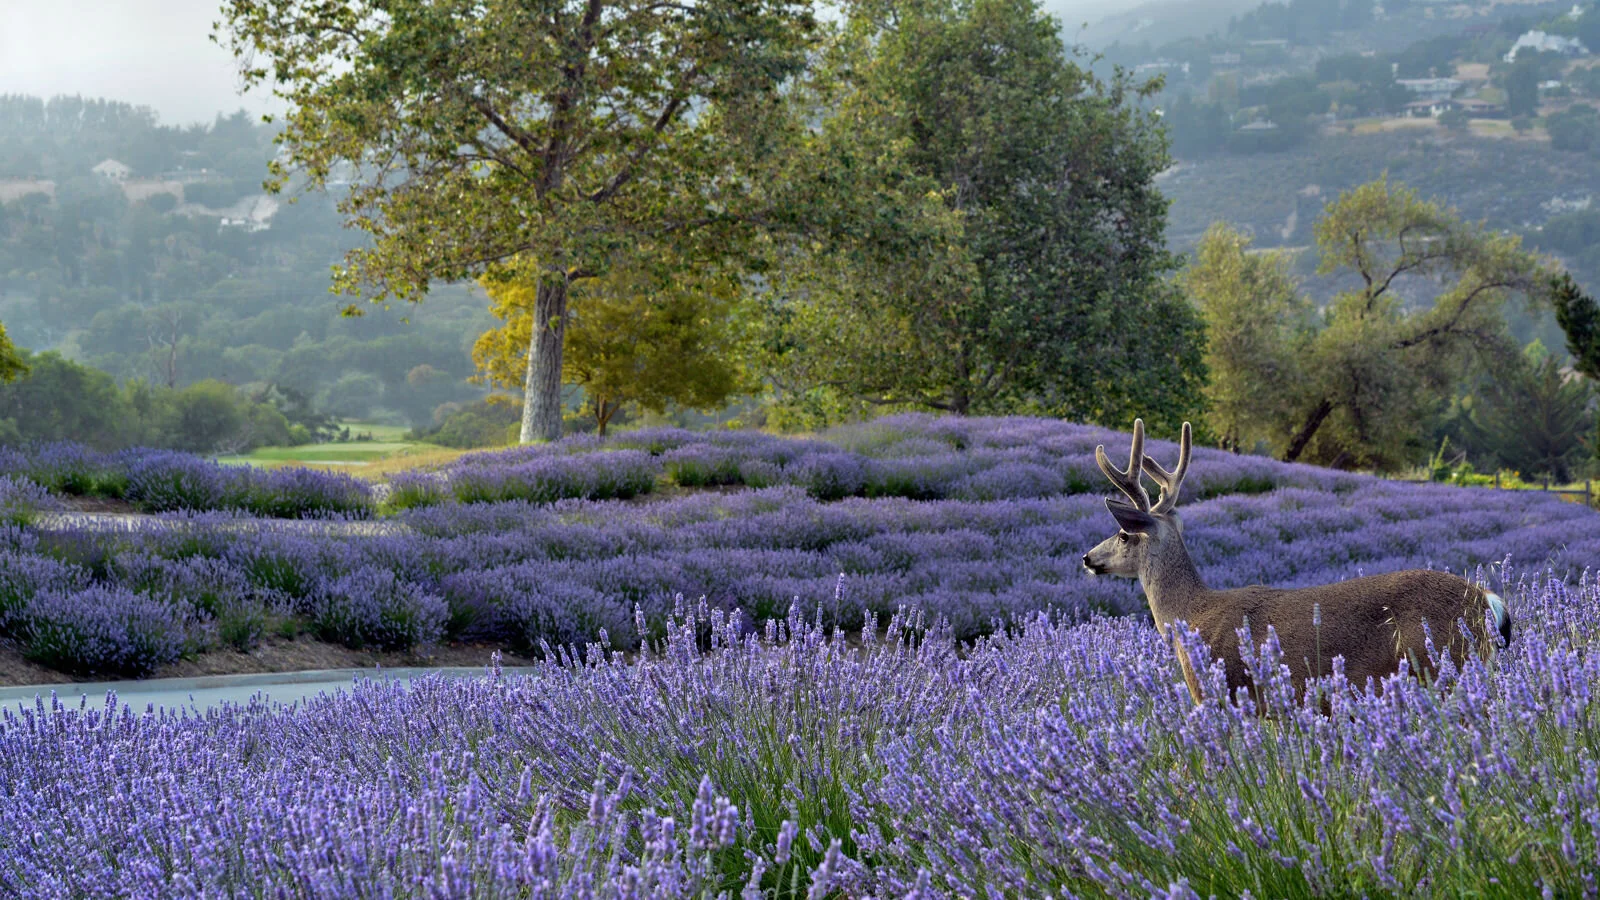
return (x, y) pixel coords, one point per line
(541, 389)
(1307, 431)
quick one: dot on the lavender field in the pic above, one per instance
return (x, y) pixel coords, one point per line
(864, 665)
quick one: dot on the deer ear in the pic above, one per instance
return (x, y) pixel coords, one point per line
(1130, 517)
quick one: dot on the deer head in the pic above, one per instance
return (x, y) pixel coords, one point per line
(1148, 534)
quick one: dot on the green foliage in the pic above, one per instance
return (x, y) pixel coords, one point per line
(485, 423)
(1522, 86)
(1532, 417)
(1380, 365)
(12, 364)
(633, 337)
(1576, 128)
(1255, 321)
(1579, 317)
(1011, 252)
(60, 400)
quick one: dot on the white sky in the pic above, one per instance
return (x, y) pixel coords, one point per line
(158, 53)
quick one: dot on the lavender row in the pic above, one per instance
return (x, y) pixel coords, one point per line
(525, 574)
(167, 480)
(1053, 760)
(913, 456)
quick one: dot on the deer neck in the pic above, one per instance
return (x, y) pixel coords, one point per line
(1172, 585)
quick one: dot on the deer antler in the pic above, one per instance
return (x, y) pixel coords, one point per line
(1128, 482)
(1170, 481)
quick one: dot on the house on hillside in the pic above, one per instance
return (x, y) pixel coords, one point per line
(1480, 109)
(1422, 109)
(1430, 89)
(1542, 42)
(1259, 125)
(112, 169)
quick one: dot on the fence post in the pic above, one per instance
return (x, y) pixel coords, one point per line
(1497, 480)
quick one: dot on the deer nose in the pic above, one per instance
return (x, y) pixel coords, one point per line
(1086, 563)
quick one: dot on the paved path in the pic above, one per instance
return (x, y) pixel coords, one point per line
(209, 691)
(113, 522)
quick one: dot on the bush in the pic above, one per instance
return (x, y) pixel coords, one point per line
(104, 630)
(21, 500)
(24, 576)
(410, 490)
(294, 492)
(166, 481)
(371, 607)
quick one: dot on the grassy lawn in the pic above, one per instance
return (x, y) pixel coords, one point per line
(387, 452)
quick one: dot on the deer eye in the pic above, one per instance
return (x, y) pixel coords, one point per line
(1122, 536)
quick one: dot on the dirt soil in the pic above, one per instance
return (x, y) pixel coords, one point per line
(274, 654)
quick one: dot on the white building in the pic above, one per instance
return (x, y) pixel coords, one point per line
(1541, 42)
(110, 168)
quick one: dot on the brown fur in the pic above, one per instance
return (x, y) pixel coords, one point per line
(1373, 622)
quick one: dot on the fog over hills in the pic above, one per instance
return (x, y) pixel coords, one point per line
(159, 52)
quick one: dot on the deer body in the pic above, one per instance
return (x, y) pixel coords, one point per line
(1373, 622)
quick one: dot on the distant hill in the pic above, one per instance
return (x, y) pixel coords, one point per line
(1158, 22)
(150, 252)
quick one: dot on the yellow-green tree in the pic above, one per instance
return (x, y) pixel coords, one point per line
(1256, 322)
(638, 335)
(12, 364)
(1384, 362)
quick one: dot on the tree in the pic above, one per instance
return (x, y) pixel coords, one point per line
(1455, 120)
(1255, 317)
(61, 400)
(481, 131)
(1016, 261)
(1382, 364)
(1522, 88)
(1579, 318)
(1532, 417)
(12, 363)
(634, 337)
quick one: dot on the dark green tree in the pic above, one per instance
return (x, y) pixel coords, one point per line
(1533, 417)
(1579, 317)
(1522, 88)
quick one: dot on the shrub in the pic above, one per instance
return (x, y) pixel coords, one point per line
(295, 492)
(166, 481)
(104, 630)
(701, 465)
(411, 490)
(23, 576)
(21, 500)
(371, 607)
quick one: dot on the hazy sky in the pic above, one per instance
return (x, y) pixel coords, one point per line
(158, 53)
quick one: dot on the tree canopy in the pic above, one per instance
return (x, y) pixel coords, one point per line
(1015, 260)
(1382, 363)
(561, 130)
(1256, 326)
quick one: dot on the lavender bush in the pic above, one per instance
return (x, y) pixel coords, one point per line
(101, 630)
(371, 607)
(21, 501)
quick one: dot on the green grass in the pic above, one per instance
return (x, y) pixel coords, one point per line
(387, 441)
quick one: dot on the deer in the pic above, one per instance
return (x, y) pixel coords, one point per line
(1374, 622)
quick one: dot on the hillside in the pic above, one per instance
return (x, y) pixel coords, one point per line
(151, 252)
